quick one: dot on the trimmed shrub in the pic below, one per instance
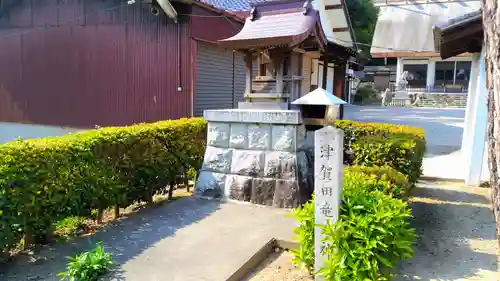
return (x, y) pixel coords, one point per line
(401, 152)
(376, 144)
(45, 180)
(366, 94)
(354, 129)
(371, 236)
(385, 179)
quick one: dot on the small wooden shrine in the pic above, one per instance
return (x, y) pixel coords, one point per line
(274, 38)
(262, 152)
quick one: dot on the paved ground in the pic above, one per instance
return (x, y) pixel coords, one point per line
(187, 240)
(456, 235)
(443, 132)
(443, 127)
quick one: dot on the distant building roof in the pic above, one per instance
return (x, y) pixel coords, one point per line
(460, 20)
(408, 28)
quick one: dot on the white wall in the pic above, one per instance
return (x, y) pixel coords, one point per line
(317, 75)
(11, 131)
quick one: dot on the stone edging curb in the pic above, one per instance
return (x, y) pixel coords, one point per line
(259, 257)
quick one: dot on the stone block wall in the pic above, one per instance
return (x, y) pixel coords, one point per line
(263, 163)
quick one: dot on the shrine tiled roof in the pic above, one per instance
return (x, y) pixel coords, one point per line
(284, 24)
(233, 5)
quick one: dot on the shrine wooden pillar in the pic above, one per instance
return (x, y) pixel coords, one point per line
(278, 59)
(324, 77)
(339, 74)
(248, 72)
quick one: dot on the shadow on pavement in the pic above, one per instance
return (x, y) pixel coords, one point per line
(439, 150)
(456, 236)
(453, 196)
(126, 238)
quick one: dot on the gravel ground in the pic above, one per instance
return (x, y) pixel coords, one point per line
(278, 267)
(456, 240)
(456, 235)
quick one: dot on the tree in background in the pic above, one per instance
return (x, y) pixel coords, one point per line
(491, 22)
(363, 15)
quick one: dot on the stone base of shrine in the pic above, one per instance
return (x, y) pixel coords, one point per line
(257, 156)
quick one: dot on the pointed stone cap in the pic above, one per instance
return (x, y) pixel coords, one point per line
(319, 96)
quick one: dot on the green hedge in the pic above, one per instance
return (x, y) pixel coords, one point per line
(361, 129)
(371, 236)
(385, 179)
(401, 152)
(45, 180)
(398, 146)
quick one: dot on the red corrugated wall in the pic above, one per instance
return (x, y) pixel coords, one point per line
(83, 63)
(212, 26)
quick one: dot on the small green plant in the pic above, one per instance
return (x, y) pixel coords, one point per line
(304, 255)
(88, 266)
(372, 234)
(70, 226)
(371, 237)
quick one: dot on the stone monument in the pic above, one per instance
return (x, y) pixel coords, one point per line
(255, 155)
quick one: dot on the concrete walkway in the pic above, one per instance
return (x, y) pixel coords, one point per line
(187, 240)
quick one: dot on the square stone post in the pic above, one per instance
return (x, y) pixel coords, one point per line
(328, 166)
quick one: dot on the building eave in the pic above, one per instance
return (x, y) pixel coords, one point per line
(406, 29)
(459, 35)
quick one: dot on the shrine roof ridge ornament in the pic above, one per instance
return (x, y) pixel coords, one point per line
(279, 24)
